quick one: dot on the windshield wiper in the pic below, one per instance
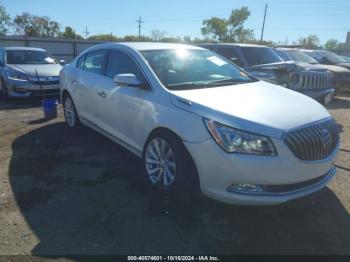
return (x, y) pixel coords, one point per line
(229, 81)
(188, 85)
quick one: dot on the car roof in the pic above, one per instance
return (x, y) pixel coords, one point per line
(232, 44)
(142, 46)
(313, 51)
(23, 48)
(287, 49)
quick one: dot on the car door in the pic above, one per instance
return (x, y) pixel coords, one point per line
(123, 107)
(90, 77)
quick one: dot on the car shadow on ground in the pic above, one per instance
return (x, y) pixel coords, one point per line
(82, 194)
(339, 103)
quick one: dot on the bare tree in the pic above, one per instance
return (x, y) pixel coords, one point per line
(158, 35)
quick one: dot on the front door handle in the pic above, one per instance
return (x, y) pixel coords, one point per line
(75, 83)
(102, 94)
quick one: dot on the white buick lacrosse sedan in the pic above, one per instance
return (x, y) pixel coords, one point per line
(197, 120)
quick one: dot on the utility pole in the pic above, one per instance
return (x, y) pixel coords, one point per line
(263, 26)
(139, 21)
(86, 33)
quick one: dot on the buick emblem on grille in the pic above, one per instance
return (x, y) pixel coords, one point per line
(326, 138)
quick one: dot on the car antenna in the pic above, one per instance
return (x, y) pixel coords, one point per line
(41, 87)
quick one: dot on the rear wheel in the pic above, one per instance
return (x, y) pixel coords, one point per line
(168, 165)
(70, 112)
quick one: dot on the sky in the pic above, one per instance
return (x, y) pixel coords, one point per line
(287, 20)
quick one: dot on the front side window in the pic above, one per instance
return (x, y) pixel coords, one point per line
(95, 62)
(284, 55)
(81, 61)
(260, 55)
(231, 54)
(121, 63)
(180, 69)
(301, 57)
(25, 57)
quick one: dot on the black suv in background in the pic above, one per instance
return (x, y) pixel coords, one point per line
(340, 74)
(265, 64)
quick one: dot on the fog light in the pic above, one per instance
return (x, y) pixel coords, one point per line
(245, 188)
(20, 90)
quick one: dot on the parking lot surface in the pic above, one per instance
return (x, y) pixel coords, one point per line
(65, 192)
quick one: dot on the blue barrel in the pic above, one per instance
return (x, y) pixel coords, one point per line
(50, 108)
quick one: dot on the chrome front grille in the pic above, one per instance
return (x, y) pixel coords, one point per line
(314, 80)
(315, 142)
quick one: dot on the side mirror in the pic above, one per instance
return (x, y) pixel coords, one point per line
(128, 80)
(61, 62)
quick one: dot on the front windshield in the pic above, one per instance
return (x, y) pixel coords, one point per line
(333, 57)
(347, 59)
(260, 55)
(26, 57)
(180, 69)
(299, 56)
(320, 56)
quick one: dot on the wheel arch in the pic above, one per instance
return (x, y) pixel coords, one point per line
(166, 130)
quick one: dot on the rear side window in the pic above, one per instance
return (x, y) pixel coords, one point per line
(95, 62)
(80, 62)
(121, 63)
(231, 54)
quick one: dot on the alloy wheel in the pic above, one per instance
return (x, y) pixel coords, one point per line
(160, 163)
(69, 112)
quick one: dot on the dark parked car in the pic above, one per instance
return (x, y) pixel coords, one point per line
(327, 58)
(341, 75)
(265, 64)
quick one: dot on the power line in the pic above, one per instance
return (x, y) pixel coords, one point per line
(263, 26)
(139, 21)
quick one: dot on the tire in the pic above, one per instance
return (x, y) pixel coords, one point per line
(70, 113)
(168, 165)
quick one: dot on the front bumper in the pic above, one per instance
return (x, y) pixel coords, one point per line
(218, 171)
(27, 89)
(321, 95)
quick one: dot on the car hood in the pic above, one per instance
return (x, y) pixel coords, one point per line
(284, 65)
(310, 67)
(333, 68)
(346, 65)
(257, 107)
(43, 70)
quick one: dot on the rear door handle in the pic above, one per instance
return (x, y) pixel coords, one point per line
(102, 94)
(75, 83)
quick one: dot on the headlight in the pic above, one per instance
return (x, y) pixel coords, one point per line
(237, 141)
(294, 79)
(17, 76)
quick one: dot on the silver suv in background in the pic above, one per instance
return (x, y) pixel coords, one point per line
(265, 64)
(340, 74)
(26, 72)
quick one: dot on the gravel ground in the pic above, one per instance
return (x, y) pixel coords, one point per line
(64, 192)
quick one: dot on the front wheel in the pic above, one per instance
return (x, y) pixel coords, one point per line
(70, 113)
(168, 165)
(4, 88)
